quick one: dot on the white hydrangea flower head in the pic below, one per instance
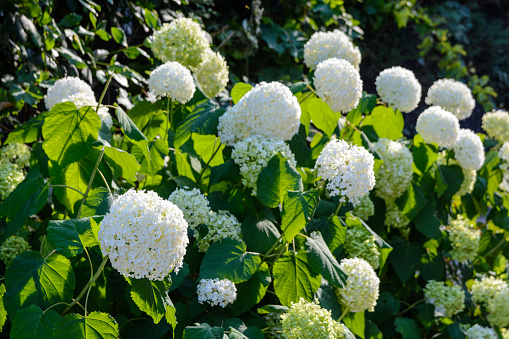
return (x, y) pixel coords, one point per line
(394, 217)
(503, 152)
(438, 126)
(497, 309)
(364, 208)
(362, 286)
(144, 235)
(216, 292)
(268, 109)
(183, 41)
(505, 333)
(221, 225)
(395, 174)
(66, 87)
(339, 84)
(469, 150)
(193, 203)
(467, 186)
(17, 153)
(11, 175)
(360, 243)
(464, 239)
(496, 125)
(399, 87)
(326, 45)
(453, 96)
(448, 300)
(480, 332)
(172, 80)
(307, 320)
(212, 74)
(485, 290)
(348, 170)
(253, 153)
(12, 247)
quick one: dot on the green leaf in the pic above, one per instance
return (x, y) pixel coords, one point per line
(432, 265)
(70, 20)
(203, 120)
(228, 171)
(98, 202)
(275, 180)
(427, 223)
(152, 298)
(151, 18)
(228, 259)
(96, 325)
(328, 299)
(150, 154)
(203, 331)
(101, 33)
(412, 201)
(259, 233)
(323, 117)
(407, 328)
(119, 36)
(294, 279)
(298, 209)
(71, 56)
(239, 90)
(128, 126)
(32, 322)
(251, 292)
(150, 118)
(424, 154)
(492, 173)
(29, 132)
(70, 236)
(387, 123)
(372, 331)
(405, 258)
(3, 312)
(448, 180)
(208, 148)
(123, 164)
(34, 280)
(355, 322)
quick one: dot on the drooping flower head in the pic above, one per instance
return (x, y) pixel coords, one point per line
(399, 87)
(11, 175)
(326, 45)
(212, 73)
(12, 247)
(448, 300)
(438, 126)
(453, 96)
(464, 239)
(193, 203)
(361, 291)
(172, 80)
(65, 88)
(496, 125)
(16, 153)
(469, 150)
(480, 332)
(360, 243)
(216, 292)
(221, 225)
(364, 208)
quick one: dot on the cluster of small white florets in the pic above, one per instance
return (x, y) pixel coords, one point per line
(395, 174)
(253, 153)
(469, 179)
(394, 217)
(469, 150)
(448, 300)
(497, 309)
(307, 320)
(480, 332)
(221, 225)
(12, 247)
(17, 153)
(216, 292)
(11, 175)
(438, 126)
(172, 80)
(348, 170)
(325, 45)
(144, 235)
(453, 96)
(503, 152)
(464, 239)
(212, 73)
(362, 287)
(339, 84)
(496, 125)
(360, 243)
(364, 208)
(194, 205)
(486, 289)
(269, 110)
(399, 87)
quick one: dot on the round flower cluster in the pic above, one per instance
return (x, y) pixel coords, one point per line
(11, 175)
(307, 320)
(212, 73)
(497, 309)
(395, 174)
(12, 247)
(183, 41)
(349, 170)
(438, 126)
(503, 152)
(448, 300)
(360, 243)
(464, 239)
(253, 153)
(327, 45)
(496, 125)
(399, 87)
(17, 153)
(394, 217)
(221, 225)
(273, 321)
(193, 204)
(469, 150)
(480, 332)
(453, 96)
(361, 291)
(485, 290)
(172, 80)
(216, 292)
(339, 84)
(364, 208)
(268, 109)
(467, 186)
(144, 235)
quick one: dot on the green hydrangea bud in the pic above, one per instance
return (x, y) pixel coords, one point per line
(360, 243)
(10, 177)
(16, 153)
(464, 239)
(448, 300)
(394, 217)
(12, 247)
(364, 208)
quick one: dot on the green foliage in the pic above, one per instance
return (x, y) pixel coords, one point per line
(32, 322)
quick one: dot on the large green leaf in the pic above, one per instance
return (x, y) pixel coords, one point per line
(209, 148)
(238, 91)
(355, 323)
(29, 132)
(228, 259)
(258, 231)
(128, 126)
(152, 298)
(123, 164)
(298, 209)
(328, 299)
(405, 258)
(98, 202)
(424, 154)
(69, 237)
(387, 123)
(412, 201)
(448, 180)
(150, 154)
(32, 322)
(426, 221)
(251, 292)
(203, 331)
(96, 325)
(150, 118)
(323, 117)
(407, 328)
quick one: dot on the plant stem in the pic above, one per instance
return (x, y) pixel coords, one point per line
(90, 181)
(104, 179)
(345, 311)
(274, 245)
(339, 207)
(104, 91)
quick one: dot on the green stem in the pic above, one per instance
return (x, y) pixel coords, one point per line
(69, 187)
(345, 311)
(411, 306)
(90, 181)
(274, 245)
(339, 207)
(104, 91)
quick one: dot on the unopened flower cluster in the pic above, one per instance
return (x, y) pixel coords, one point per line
(348, 170)
(469, 150)
(453, 96)
(360, 243)
(448, 300)
(307, 320)
(12, 247)
(172, 80)
(438, 126)
(193, 204)
(273, 321)
(221, 225)
(497, 309)
(464, 239)
(16, 153)
(362, 286)
(212, 75)
(269, 110)
(14, 157)
(394, 217)
(496, 125)
(364, 208)
(399, 87)
(253, 153)
(339, 84)
(480, 332)
(216, 292)
(144, 235)
(327, 45)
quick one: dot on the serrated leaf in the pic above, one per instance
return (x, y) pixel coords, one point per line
(150, 118)
(323, 262)
(298, 209)
(203, 120)
(96, 325)
(123, 164)
(203, 331)
(98, 202)
(412, 201)
(128, 126)
(251, 292)
(150, 155)
(70, 236)
(355, 323)
(328, 299)
(259, 233)
(239, 90)
(323, 117)
(32, 322)
(405, 258)
(387, 123)
(29, 132)
(152, 298)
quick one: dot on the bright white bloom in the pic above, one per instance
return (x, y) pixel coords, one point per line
(144, 235)
(485, 290)
(348, 169)
(360, 243)
(361, 291)
(438, 126)
(212, 74)
(307, 320)
(469, 150)
(17, 153)
(464, 239)
(172, 80)
(326, 45)
(480, 332)
(448, 300)
(66, 87)
(221, 225)
(339, 84)
(503, 152)
(12, 247)
(269, 110)
(11, 175)
(193, 203)
(183, 41)
(496, 125)
(497, 309)
(253, 153)
(216, 292)
(453, 96)
(394, 217)
(399, 87)
(364, 208)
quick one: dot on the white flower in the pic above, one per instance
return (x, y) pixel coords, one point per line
(193, 203)
(269, 110)
(144, 235)
(438, 126)
(464, 239)
(212, 73)
(496, 125)
(448, 300)
(349, 170)
(497, 309)
(11, 175)
(361, 291)
(221, 225)
(216, 292)
(503, 152)
(467, 186)
(339, 84)
(453, 96)
(485, 290)
(173, 80)
(326, 45)
(399, 87)
(469, 150)
(17, 153)
(479, 332)
(66, 87)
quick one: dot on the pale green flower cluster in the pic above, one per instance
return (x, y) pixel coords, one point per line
(362, 287)
(505, 333)
(212, 73)
(221, 225)
(469, 179)
(364, 208)
(496, 125)
(12, 247)
(273, 321)
(497, 309)
(485, 290)
(448, 300)
(193, 204)
(360, 243)
(16, 153)
(394, 217)
(307, 320)
(464, 239)
(11, 175)
(480, 332)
